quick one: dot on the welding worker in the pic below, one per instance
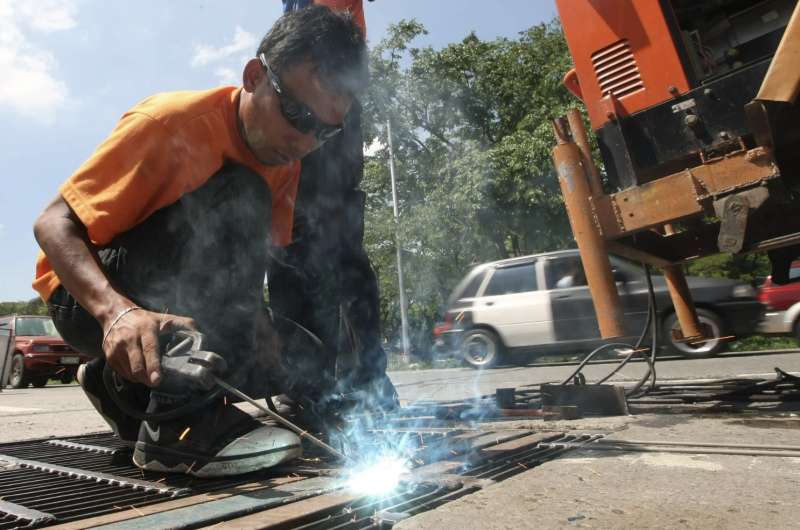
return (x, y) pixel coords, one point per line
(327, 264)
(172, 223)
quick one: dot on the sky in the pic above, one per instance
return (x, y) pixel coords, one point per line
(71, 68)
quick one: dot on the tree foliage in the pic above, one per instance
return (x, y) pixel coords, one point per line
(34, 306)
(472, 141)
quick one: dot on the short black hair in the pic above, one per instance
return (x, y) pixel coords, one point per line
(331, 40)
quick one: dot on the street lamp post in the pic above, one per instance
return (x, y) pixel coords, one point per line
(403, 310)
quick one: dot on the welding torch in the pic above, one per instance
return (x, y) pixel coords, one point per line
(185, 363)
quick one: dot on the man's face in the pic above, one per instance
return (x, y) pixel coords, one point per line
(266, 129)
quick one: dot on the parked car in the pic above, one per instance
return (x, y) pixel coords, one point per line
(541, 304)
(38, 352)
(782, 303)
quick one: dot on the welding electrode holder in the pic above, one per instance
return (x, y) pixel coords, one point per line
(185, 370)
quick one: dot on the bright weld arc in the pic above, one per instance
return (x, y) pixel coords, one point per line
(378, 477)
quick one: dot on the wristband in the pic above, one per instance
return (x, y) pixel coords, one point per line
(115, 321)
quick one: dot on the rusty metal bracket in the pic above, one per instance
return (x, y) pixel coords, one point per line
(734, 211)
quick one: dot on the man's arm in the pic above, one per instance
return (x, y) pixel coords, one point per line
(131, 342)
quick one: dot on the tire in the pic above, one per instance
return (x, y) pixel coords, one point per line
(480, 348)
(796, 330)
(66, 378)
(39, 381)
(707, 348)
(17, 378)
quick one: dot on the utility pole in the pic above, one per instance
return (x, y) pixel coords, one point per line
(403, 310)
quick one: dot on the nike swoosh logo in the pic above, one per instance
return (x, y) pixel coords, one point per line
(154, 434)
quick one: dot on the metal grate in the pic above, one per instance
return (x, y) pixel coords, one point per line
(616, 70)
(55, 481)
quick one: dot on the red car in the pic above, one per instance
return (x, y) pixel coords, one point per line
(37, 352)
(783, 305)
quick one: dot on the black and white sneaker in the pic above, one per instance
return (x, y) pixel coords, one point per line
(90, 377)
(217, 441)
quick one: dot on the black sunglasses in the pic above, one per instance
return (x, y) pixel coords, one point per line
(297, 114)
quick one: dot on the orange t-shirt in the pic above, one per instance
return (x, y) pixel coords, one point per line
(166, 146)
(356, 8)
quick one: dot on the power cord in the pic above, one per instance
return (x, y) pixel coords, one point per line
(652, 324)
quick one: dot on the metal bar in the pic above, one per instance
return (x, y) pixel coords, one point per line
(704, 451)
(228, 508)
(285, 515)
(582, 141)
(171, 504)
(701, 444)
(34, 516)
(83, 447)
(111, 479)
(594, 256)
(782, 81)
(682, 301)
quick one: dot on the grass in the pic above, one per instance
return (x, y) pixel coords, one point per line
(764, 342)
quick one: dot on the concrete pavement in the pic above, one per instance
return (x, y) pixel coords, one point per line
(589, 488)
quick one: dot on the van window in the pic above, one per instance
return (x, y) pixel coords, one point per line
(510, 280)
(472, 287)
(565, 272)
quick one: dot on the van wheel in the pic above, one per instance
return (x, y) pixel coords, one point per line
(17, 378)
(707, 348)
(39, 381)
(480, 348)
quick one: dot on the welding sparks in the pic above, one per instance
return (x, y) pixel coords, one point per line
(184, 433)
(378, 477)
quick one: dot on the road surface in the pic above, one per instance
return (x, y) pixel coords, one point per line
(63, 410)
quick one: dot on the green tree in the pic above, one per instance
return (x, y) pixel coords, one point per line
(34, 306)
(472, 142)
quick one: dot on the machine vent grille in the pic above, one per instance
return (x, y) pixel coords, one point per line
(616, 70)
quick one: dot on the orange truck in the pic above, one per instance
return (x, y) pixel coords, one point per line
(694, 108)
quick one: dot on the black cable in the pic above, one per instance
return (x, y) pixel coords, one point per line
(652, 323)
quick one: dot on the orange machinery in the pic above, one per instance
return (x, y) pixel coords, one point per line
(693, 104)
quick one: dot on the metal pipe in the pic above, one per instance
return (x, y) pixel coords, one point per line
(594, 256)
(700, 444)
(702, 451)
(782, 82)
(302, 433)
(682, 301)
(582, 141)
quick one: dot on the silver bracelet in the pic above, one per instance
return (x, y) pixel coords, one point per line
(114, 323)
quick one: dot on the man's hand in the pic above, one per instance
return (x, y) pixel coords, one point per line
(132, 346)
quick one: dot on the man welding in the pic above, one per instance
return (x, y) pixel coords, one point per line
(171, 225)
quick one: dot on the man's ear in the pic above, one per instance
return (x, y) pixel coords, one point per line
(252, 75)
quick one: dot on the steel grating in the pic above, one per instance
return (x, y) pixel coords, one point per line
(90, 480)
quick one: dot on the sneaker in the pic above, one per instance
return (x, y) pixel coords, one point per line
(218, 441)
(90, 377)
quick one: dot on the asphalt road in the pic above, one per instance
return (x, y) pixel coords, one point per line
(460, 383)
(62, 410)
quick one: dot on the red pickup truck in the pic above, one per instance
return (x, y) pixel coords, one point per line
(37, 352)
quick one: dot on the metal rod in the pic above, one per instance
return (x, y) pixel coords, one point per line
(582, 141)
(699, 450)
(302, 433)
(591, 244)
(700, 444)
(682, 301)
